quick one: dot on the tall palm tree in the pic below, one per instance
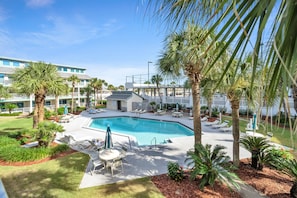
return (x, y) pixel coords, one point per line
(59, 89)
(101, 84)
(87, 90)
(187, 53)
(74, 80)
(94, 83)
(38, 79)
(157, 79)
(246, 26)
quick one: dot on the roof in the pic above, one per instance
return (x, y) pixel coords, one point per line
(10, 70)
(122, 95)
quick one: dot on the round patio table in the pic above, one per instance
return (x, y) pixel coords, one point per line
(109, 154)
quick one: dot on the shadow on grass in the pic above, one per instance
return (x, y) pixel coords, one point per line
(55, 178)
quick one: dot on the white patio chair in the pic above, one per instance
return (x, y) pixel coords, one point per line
(96, 162)
(114, 164)
(226, 129)
(224, 124)
(212, 123)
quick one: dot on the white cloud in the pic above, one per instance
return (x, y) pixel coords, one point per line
(69, 31)
(38, 3)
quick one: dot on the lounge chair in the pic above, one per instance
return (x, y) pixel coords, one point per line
(143, 111)
(204, 119)
(226, 129)
(212, 123)
(224, 124)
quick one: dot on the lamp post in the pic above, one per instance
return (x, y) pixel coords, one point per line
(148, 70)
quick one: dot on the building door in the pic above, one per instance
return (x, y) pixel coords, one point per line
(119, 105)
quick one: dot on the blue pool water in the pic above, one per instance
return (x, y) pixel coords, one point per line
(144, 130)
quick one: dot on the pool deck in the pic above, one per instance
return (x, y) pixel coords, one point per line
(144, 161)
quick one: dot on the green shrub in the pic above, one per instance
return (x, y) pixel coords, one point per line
(60, 110)
(59, 149)
(175, 171)
(47, 114)
(212, 164)
(11, 114)
(7, 141)
(20, 154)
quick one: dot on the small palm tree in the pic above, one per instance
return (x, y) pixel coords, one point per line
(259, 148)
(10, 107)
(212, 165)
(290, 168)
(46, 133)
(73, 79)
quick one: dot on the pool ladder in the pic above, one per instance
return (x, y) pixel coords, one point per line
(155, 141)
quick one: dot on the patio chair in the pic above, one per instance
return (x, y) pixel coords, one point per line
(96, 162)
(123, 152)
(114, 164)
(224, 124)
(226, 129)
(204, 119)
(212, 123)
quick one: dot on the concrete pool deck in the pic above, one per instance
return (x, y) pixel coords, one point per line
(148, 160)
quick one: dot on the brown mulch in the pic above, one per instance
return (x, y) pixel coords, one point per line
(269, 181)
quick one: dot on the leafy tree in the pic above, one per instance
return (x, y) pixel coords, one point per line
(111, 87)
(88, 91)
(10, 106)
(4, 92)
(46, 132)
(74, 80)
(212, 164)
(157, 79)
(121, 87)
(38, 79)
(61, 88)
(188, 53)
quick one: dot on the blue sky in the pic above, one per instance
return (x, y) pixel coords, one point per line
(111, 38)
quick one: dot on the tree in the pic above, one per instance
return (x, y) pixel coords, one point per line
(187, 53)
(10, 107)
(46, 133)
(247, 25)
(38, 79)
(111, 87)
(88, 91)
(157, 79)
(59, 89)
(73, 79)
(4, 92)
(101, 84)
(121, 87)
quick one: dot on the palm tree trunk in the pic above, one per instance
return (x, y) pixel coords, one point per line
(72, 102)
(56, 103)
(294, 90)
(196, 111)
(209, 104)
(235, 131)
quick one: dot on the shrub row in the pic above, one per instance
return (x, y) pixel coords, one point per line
(11, 114)
(11, 151)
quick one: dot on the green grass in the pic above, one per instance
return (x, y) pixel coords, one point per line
(61, 178)
(12, 124)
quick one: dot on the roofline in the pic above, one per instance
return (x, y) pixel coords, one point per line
(28, 61)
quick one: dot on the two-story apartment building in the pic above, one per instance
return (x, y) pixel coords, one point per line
(25, 103)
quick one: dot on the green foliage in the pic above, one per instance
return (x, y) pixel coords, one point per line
(47, 114)
(46, 132)
(60, 110)
(245, 112)
(258, 146)
(175, 171)
(11, 114)
(212, 165)
(11, 151)
(10, 106)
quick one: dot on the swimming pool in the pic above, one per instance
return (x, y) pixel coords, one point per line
(146, 131)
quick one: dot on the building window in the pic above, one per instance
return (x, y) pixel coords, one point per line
(6, 62)
(1, 78)
(16, 64)
(20, 104)
(65, 69)
(63, 101)
(72, 70)
(47, 103)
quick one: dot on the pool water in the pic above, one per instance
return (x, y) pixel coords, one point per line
(144, 130)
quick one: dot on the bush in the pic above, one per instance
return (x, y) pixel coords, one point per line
(11, 114)
(47, 114)
(175, 171)
(59, 149)
(212, 164)
(7, 141)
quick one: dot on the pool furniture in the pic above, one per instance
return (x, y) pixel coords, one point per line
(204, 119)
(160, 112)
(96, 162)
(112, 159)
(212, 123)
(224, 124)
(226, 129)
(177, 114)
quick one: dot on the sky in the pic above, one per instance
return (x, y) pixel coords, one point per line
(112, 39)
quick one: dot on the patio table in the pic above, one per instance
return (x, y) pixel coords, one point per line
(109, 154)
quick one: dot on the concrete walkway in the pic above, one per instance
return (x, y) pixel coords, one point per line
(148, 160)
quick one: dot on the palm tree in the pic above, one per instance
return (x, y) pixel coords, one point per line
(73, 79)
(157, 79)
(87, 90)
(270, 22)
(111, 87)
(59, 89)
(101, 83)
(187, 53)
(121, 87)
(38, 79)
(94, 85)
(4, 92)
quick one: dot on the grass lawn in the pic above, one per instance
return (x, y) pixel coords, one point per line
(11, 124)
(61, 178)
